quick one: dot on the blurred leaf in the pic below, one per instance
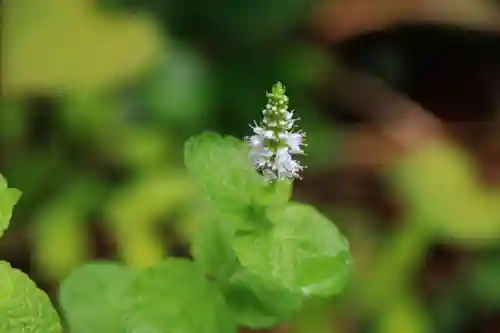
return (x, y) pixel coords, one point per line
(140, 247)
(256, 304)
(174, 296)
(148, 198)
(96, 120)
(303, 251)
(75, 45)
(395, 266)
(407, 316)
(13, 123)
(90, 115)
(24, 307)
(8, 199)
(139, 148)
(189, 220)
(483, 284)
(90, 297)
(61, 244)
(222, 169)
(179, 92)
(61, 228)
(32, 171)
(441, 189)
(135, 210)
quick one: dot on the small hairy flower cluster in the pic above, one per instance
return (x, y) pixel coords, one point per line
(276, 139)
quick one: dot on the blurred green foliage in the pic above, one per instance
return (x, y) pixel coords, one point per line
(103, 111)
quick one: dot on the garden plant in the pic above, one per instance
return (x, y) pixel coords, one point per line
(256, 258)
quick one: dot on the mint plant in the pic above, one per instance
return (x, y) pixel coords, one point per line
(23, 307)
(256, 258)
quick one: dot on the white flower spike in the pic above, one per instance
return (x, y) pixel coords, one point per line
(276, 139)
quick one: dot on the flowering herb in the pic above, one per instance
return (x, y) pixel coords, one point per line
(276, 139)
(256, 258)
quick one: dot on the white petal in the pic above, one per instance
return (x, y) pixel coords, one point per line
(263, 132)
(294, 141)
(260, 156)
(256, 140)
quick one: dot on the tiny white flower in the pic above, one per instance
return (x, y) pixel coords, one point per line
(275, 141)
(256, 141)
(260, 157)
(294, 142)
(263, 132)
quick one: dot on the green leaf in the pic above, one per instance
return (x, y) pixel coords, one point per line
(276, 193)
(175, 297)
(23, 307)
(8, 199)
(222, 168)
(303, 251)
(257, 305)
(212, 248)
(90, 297)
